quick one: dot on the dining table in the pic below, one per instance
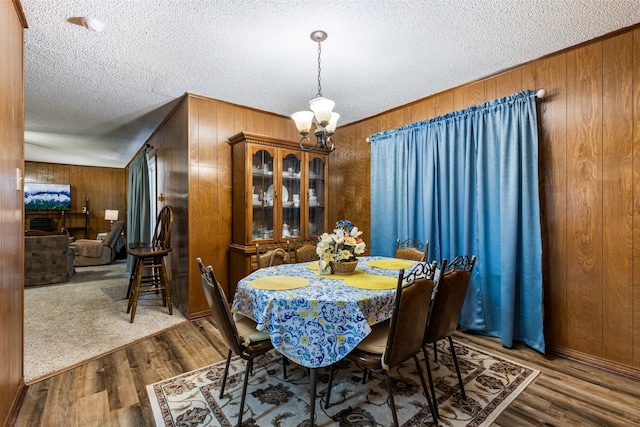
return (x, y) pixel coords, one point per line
(316, 319)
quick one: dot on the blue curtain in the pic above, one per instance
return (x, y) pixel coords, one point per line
(139, 203)
(468, 183)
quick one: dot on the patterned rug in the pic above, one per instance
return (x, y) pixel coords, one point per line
(491, 384)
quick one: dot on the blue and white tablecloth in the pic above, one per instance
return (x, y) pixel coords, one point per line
(320, 323)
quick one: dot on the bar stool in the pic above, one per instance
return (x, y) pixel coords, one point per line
(149, 273)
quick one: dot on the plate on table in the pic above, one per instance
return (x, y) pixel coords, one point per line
(285, 193)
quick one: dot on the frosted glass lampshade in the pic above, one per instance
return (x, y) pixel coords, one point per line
(322, 108)
(333, 122)
(303, 120)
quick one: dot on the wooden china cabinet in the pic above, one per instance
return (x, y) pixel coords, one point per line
(279, 195)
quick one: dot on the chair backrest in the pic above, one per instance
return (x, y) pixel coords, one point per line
(203, 268)
(410, 312)
(164, 224)
(412, 249)
(273, 256)
(305, 250)
(111, 237)
(220, 310)
(448, 298)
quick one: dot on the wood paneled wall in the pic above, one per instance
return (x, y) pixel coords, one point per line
(171, 143)
(194, 175)
(12, 23)
(106, 188)
(589, 126)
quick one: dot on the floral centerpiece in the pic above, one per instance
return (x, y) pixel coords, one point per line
(341, 246)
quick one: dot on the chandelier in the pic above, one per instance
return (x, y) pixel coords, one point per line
(321, 113)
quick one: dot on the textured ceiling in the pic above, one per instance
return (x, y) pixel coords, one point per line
(92, 98)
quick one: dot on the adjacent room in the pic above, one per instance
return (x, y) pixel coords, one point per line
(447, 237)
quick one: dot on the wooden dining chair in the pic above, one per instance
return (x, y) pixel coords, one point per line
(272, 255)
(412, 249)
(392, 343)
(305, 250)
(148, 272)
(446, 306)
(241, 336)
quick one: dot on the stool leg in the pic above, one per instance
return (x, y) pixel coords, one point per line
(132, 283)
(134, 268)
(133, 299)
(166, 292)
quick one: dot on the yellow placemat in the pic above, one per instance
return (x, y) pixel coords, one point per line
(279, 283)
(391, 264)
(369, 281)
(313, 266)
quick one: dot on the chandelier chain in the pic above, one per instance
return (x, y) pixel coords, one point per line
(319, 83)
(320, 107)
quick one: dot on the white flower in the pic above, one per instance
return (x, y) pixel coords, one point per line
(355, 232)
(341, 245)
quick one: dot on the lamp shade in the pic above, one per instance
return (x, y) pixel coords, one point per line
(111, 215)
(333, 122)
(322, 108)
(303, 120)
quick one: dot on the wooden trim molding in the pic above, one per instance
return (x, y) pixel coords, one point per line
(611, 366)
(270, 141)
(20, 13)
(19, 397)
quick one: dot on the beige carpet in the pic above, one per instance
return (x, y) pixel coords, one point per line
(491, 384)
(69, 323)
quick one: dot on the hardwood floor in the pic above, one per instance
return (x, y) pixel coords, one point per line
(110, 391)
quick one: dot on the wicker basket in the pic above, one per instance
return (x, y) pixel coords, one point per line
(344, 267)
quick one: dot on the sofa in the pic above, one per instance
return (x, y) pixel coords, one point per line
(98, 252)
(47, 258)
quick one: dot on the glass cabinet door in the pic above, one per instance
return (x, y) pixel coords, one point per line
(291, 188)
(262, 194)
(316, 195)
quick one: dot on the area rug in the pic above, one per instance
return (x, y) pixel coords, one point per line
(491, 384)
(69, 323)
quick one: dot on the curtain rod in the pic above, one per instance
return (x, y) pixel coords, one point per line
(540, 94)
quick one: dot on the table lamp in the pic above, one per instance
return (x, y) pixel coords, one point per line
(111, 215)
